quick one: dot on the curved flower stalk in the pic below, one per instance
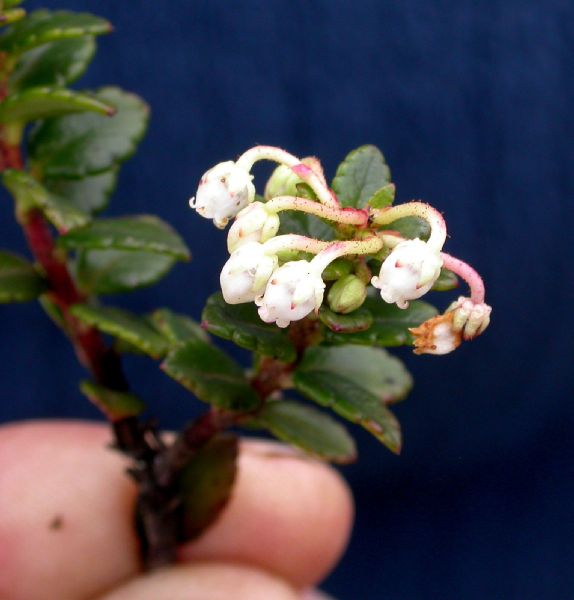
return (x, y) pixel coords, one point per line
(464, 319)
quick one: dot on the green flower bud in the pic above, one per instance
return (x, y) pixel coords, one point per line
(347, 294)
(283, 182)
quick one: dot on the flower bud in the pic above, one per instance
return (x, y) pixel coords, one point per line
(347, 294)
(469, 318)
(283, 181)
(295, 290)
(223, 191)
(253, 224)
(246, 273)
(408, 272)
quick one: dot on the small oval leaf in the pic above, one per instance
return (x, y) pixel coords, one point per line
(42, 26)
(143, 232)
(103, 272)
(241, 324)
(124, 325)
(211, 375)
(75, 146)
(357, 383)
(19, 281)
(206, 483)
(43, 102)
(115, 405)
(390, 325)
(57, 64)
(303, 426)
(363, 172)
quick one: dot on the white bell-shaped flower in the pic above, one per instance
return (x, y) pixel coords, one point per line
(295, 290)
(408, 272)
(223, 191)
(246, 273)
(253, 224)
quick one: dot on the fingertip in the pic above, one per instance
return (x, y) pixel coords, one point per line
(205, 581)
(302, 511)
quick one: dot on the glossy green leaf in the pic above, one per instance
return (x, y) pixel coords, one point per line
(75, 146)
(211, 375)
(359, 320)
(411, 227)
(383, 197)
(42, 26)
(356, 383)
(177, 328)
(363, 172)
(60, 211)
(142, 232)
(90, 194)
(124, 325)
(115, 405)
(56, 65)
(206, 484)
(305, 427)
(390, 325)
(39, 103)
(102, 272)
(304, 224)
(19, 281)
(241, 324)
(446, 281)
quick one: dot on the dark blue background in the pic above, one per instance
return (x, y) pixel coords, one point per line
(471, 101)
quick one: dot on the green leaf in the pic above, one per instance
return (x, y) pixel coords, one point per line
(446, 281)
(356, 383)
(241, 324)
(90, 194)
(359, 320)
(39, 103)
(211, 375)
(143, 232)
(75, 146)
(124, 325)
(383, 197)
(177, 328)
(19, 281)
(390, 324)
(11, 3)
(363, 172)
(411, 227)
(115, 405)
(42, 26)
(304, 224)
(306, 428)
(28, 192)
(102, 272)
(57, 64)
(206, 484)
(10, 16)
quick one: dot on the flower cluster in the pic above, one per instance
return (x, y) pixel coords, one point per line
(286, 289)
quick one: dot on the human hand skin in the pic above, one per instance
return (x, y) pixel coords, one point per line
(66, 524)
